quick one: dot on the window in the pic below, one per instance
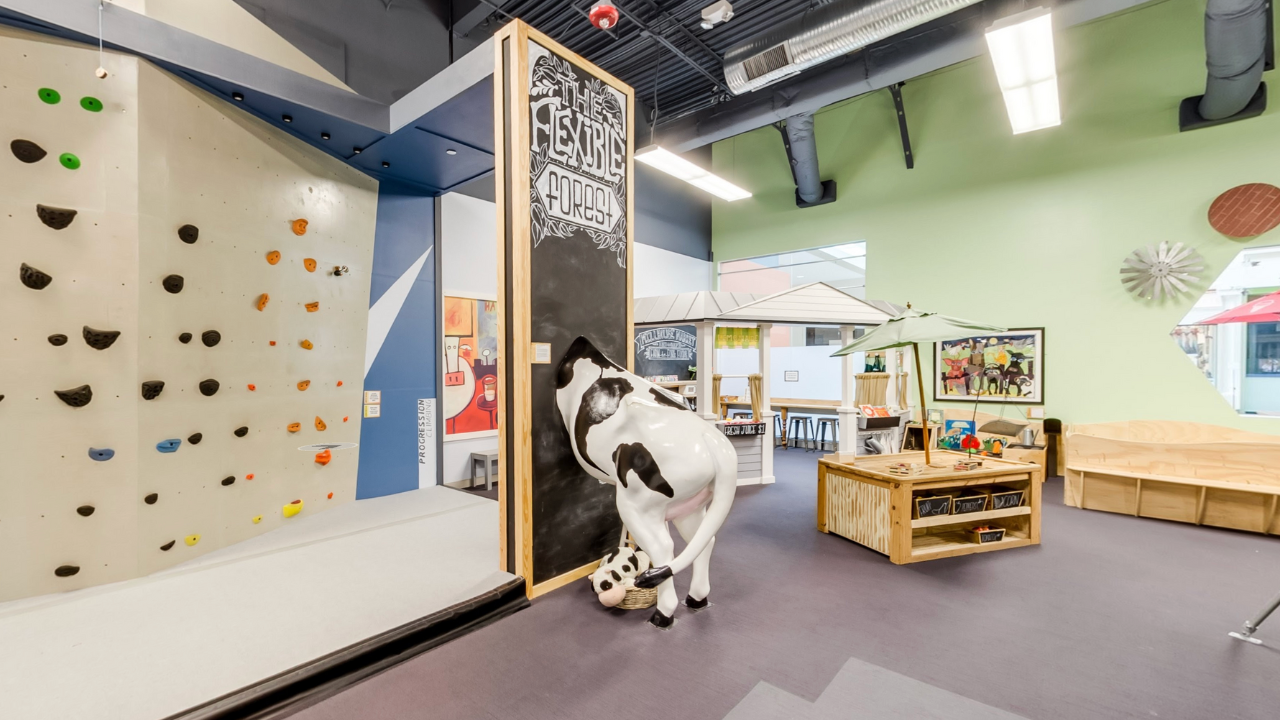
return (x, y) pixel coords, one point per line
(822, 336)
(840, 266)
(1263, 349)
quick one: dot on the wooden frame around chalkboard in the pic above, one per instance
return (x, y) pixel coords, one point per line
(512, 192)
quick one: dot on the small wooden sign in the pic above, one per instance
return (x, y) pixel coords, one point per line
(933, 506)
(969, 504)
(988, 535)
(1006, 499)
(739, 429)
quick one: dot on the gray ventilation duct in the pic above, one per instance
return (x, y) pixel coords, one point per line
(1236, 48)
(822, 33)
(802, 151)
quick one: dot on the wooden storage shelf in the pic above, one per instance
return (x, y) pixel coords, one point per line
(859, 499)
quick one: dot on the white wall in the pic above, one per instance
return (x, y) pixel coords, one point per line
(662, 272)
(819, 372)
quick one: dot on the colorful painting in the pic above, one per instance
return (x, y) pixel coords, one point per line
(470, 390)
(962, 436)
(1004, 367)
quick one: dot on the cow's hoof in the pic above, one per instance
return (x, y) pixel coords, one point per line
(661, 621)
(653, 577)
(695, 605)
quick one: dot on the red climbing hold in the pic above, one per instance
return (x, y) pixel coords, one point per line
(252, 387)
(330, 496)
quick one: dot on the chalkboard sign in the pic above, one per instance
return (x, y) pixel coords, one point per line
(666, 351)
(738, 429)
(1006, 498)
(987, 536)
(933, 506)
(970, 504)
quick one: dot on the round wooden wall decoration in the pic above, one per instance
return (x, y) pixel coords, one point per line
(1246, 211)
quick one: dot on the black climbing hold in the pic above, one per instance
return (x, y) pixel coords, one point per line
(67, 570)
(99, 339)
(172, 283)
(195, 438)
(85, 510)
(184, 338)
(56, 218)
(208, 387)
(76, 397)
(27, 151)
(242, 431)
(210, 338)
(166, 546)
(58, 340)
(151, 389)
(33, 278)
(229, 480)
(151, 499)
(188, 234)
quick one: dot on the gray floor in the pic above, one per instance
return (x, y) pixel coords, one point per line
(1112, 617)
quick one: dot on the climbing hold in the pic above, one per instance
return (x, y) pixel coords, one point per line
(67, 570)
(99, 339)
(168, 446)
(209, 387)
(151, 389)
(263, 300)
(304, 384)
(56, 218)
(27, 151)
(90, 103)
(273, 257)
(50, 96)
(100, 73)
(241, 431)
(312, 306)
(173, 283)
(195, 438)
(151, 499)
(309, 264)
(339, 383)
(320, 424)
(69, 161)
(252, 387)
(273, 343)
(294, 427)
(166, 546)
(249, 476)
(58, 340)
(210, 338)
(306, 344)
(324, 457)
(330, 496)
(76, 397)
(300, 227)
(346, 418)
(33, 278)
(184, 338)
(292, 508)
(101, 455)
(257, 519)
(228, 480)
(189, 234)
(191, 540)
(85, 510)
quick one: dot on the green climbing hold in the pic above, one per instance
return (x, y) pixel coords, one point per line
(69, 161)
(92, 104)
(50, 96)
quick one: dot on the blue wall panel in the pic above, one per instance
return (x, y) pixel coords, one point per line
(405, 367)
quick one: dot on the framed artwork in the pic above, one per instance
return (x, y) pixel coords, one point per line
(1003, 367)
(470, 392)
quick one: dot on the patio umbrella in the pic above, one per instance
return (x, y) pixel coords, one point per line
(910, 328)
(1264, 309)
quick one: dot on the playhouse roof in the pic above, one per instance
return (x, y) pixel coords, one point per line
(688, 307)
(813, 304)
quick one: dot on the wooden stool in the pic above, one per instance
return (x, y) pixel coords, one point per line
(487, 457)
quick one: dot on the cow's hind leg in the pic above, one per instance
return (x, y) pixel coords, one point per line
(700, 587)
(649, 528)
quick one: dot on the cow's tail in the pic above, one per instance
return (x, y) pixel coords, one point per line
(725, 486)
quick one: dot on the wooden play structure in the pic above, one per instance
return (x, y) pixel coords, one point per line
(1188, 472)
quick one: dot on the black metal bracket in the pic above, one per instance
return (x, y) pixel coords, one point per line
(896, 91)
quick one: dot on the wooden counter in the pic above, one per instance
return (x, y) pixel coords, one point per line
(866, 504)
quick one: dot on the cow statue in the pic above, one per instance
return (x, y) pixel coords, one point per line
(667, 464)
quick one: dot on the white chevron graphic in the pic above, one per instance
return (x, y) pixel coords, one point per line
(383, 314)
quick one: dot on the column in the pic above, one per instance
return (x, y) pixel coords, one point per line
(848, 411)
(766, 405)
(706, 367)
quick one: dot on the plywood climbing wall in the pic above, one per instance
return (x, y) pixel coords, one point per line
(171, 183)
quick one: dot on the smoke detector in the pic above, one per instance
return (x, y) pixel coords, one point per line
(716, 13)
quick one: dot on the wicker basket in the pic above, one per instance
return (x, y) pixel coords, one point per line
(639, 599)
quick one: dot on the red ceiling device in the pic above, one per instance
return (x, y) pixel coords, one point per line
(604, 16)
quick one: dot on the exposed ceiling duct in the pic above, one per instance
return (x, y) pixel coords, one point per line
(823, 33)
(1237, 48)
(802, 151)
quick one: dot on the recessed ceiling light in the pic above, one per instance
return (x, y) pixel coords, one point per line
(672, 164)
(237, 96)
(386, 164)
(357, 150)
(287, 118)
(324, 136)
(450, 151)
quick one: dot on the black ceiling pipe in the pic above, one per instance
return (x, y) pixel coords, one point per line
(1237, 34)
(802, 152)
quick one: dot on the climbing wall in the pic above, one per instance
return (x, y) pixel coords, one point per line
(231, 260)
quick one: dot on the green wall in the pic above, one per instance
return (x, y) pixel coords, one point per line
(1031, 230)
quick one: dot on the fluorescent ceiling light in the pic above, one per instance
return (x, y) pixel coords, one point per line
(672, 164)
(1022, 50)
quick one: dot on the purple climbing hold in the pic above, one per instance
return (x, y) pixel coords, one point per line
(76, 397)
(33, 278)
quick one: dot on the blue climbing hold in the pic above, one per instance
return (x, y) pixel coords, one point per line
(101, 455)
(168, 446)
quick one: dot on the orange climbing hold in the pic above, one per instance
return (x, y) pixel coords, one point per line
(346, 418)
(300, 226)
(263, 300)
(309, 264)
(323, 458)
(294, 427)
(320, 424)
(339, 383)
(273, 257)
(273, 343)
(306, 344)
(252, 387)
(304, 384)
(249, 476)
(313, 306)
(330, 496)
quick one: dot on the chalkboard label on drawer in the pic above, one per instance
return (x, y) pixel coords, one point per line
(970, 504)
(987, 535)
(736, 429)
(933, 506)
(1006, 499)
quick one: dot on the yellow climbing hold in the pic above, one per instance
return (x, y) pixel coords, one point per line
(257, 519)
(191, 539)
(306, 345)
(292, 508)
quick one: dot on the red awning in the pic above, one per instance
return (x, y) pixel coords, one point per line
(1264, 309)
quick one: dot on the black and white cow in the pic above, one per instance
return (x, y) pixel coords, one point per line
(667, 464)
